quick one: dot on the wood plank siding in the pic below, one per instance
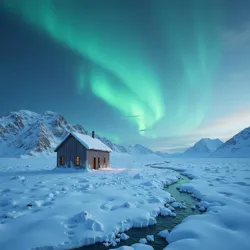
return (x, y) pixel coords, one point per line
(70, 149)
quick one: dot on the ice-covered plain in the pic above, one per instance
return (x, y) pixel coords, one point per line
(45, 207)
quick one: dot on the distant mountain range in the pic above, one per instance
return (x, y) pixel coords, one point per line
(237, 146)
(203, 148)
(29, 133)
(139, 149)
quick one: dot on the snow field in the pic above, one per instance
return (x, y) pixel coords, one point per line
(67, 208)
(54, 208)
(223, 188)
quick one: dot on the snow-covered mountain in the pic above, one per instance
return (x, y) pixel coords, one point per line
(139, 149)
(28, 133)
(163, 154)
(203, 148)
(237, 146)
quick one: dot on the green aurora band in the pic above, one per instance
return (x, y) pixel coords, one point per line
(122, 74)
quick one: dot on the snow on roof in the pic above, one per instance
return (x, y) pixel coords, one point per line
(88, 142)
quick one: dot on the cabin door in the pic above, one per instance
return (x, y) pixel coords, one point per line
(94, 163)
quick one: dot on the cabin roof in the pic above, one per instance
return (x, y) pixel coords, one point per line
(88, 142)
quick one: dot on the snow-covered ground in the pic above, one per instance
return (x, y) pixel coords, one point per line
(45, 162)
(223, 186)
(69, 208)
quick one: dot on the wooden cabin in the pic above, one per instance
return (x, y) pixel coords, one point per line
(78, 150)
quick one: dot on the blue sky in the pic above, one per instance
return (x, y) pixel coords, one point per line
(160, 73)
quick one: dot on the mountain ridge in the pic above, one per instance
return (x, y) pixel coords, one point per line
(203, 148)
(237, 146)
(25, 132)
(28, 133)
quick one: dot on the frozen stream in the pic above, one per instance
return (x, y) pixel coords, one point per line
(163, 223)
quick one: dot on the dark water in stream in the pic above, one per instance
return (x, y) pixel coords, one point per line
(163, 223)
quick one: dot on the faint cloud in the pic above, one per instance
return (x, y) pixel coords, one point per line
(227, 126)
(146, 129)
(172, 149)
(223, 128)
(173, 144)
(130, 116)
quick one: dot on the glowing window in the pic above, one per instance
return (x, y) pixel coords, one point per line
(77, 161)
(61, 161)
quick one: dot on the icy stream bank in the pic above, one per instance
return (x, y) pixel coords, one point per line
(163, 222)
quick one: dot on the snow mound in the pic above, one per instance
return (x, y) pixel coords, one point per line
(163, 233)
(178, 205)
(166, 212)
(136, 246)
(127, 204)
(144, 221)
(90, 223)
(150, 237)
(124, 236)
(143, 241)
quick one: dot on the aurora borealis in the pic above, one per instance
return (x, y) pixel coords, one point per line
(154, 62)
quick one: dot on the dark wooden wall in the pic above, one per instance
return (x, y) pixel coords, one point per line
(70, 149)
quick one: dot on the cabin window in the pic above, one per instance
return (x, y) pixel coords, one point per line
(104, 162)
(77, 161)
(61, 160)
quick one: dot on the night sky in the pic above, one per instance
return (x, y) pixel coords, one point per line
(162, 73)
